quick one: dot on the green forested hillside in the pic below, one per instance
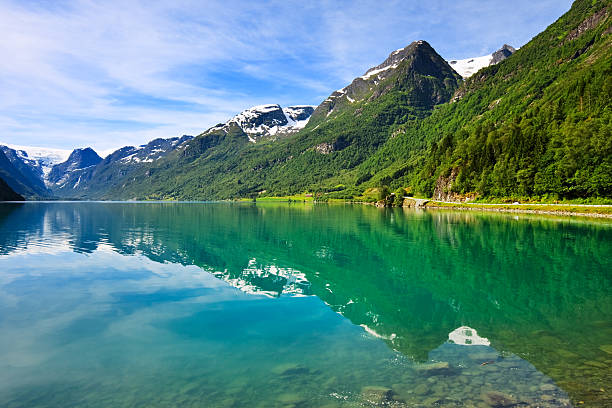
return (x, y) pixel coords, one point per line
(537, 125)
(341, 134)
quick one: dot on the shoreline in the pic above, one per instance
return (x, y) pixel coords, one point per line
(572, 210)
(520, 211)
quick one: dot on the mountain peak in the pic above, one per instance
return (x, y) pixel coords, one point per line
(504, 52)
(397, 56)
(269, 120)
(84, 157)
(79, 159)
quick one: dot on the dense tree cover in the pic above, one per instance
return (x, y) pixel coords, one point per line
(220, 164)
(537, 125)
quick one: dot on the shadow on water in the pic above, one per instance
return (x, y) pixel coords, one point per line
(537, 290)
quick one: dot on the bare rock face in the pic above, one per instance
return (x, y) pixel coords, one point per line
(324, 148)
(504, 52)
(444, 184)
(588, 24)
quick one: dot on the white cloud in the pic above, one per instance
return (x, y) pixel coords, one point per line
(108, 73)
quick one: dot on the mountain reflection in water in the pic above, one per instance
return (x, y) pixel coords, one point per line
(536, 291)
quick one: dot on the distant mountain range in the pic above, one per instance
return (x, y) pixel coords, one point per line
(532, 122)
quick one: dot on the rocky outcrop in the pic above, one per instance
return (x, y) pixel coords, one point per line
(504, 52)
(588, 24)
(444, 184)
(443, 190)
(324, 148)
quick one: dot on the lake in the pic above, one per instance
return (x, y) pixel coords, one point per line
(300, 305)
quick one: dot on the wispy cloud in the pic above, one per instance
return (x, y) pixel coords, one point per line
(108, 73)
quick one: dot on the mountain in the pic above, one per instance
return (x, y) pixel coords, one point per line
(86, 175)
(537, 125)
(40, 157)
(532, 123)
(78, 161)
(469, 66)
(31, 169)
(269, 120)
(343, 131)
(7, 193)
(21, 183)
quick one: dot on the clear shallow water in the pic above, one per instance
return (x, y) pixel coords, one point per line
(163, 305)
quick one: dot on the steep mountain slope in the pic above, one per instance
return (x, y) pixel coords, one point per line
(31, 169)
(77, 162)
(19, 182)
(92, 177)
(469, 66)
(535, 125)
(41, 158)
(343, 132)
(7, 193)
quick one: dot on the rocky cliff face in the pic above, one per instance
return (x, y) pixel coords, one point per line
(504, 52)
(147, 153)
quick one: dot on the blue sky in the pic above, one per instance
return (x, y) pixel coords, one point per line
(112, 73)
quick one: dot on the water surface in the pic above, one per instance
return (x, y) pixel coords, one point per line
(242, 305)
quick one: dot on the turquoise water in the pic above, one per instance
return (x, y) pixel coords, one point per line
(294, 305)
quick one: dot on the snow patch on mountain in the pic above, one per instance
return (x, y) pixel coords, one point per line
(373, 72)
(269, 120)
(469, 66)
(43, 157)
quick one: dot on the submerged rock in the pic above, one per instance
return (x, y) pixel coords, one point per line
(498, 399)
(290, 399)
(376, 395)
(290, 369)
(441, 368)
(547, 387)
(422, 389)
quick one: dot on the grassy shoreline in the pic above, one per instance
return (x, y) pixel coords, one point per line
(569, 209)
(582, 210)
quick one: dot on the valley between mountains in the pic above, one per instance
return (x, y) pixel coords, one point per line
(532, 123)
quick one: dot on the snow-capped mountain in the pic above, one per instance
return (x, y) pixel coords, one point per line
(418, 57)
(154, 150)
(74, 179)
(42, 159)
(269, 120)
(469, 66)
(79, 159)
